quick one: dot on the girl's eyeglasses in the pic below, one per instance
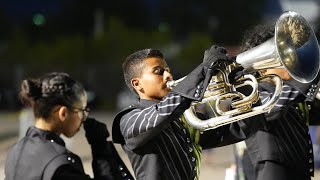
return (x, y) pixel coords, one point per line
(85, 112)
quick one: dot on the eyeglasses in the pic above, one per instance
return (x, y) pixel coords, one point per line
(85, 112)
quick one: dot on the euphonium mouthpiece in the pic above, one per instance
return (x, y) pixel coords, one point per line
(171, 84)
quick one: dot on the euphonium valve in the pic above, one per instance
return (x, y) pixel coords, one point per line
(240, 105)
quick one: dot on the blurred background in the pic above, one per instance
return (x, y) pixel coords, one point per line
(90, 40)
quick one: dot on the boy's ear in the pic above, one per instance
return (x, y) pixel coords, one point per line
(135, 83)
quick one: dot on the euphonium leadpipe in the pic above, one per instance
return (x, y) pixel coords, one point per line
(293, 47)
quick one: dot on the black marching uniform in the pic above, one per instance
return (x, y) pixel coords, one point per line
(159, 143)
(42, 155)
(283, 150)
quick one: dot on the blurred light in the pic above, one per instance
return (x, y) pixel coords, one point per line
(38, 20)
(213, 23)
(163, 27)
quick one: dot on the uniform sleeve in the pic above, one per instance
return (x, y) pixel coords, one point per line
(141, 125)
(231, 133)
(107, 164)
(287, 94)
(314, 113)
(67, 172)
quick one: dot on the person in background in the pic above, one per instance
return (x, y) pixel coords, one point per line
(314, 122)
(154, 133)
(282, 150)
(59, 104)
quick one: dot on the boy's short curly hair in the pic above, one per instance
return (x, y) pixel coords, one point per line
(256, 36)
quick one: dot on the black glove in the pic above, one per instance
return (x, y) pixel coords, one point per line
(236, 74)
(214, 56)
(96, 132)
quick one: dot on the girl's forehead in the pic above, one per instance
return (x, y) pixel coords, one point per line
(82, 101)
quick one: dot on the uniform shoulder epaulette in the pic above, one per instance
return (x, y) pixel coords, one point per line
(132, 106)
(116, 133)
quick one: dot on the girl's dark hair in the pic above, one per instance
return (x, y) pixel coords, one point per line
(133, 65)
(50, 90)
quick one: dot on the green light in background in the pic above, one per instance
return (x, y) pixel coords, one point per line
(163, 27)
(38, 19)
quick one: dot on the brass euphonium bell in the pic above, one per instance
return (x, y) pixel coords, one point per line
(293, 47)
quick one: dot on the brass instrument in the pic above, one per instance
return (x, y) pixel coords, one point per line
(293, 47)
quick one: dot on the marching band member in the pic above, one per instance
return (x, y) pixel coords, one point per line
(59, 104)
(283, 149)
(153, 132)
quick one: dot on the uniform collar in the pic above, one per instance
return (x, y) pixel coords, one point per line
(301, 87)
(116, 133)
(50, 136)
(146, 103)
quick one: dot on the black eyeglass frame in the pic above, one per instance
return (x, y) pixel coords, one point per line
(85, 112)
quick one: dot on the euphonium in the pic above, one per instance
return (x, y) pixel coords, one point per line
(293, 47)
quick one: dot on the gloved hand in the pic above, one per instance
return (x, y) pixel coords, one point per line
(236, 74)
(96, 132)
(215, 55)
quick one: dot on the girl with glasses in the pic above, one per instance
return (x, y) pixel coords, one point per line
(59, 105)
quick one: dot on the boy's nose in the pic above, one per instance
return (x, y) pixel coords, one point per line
(167, 75)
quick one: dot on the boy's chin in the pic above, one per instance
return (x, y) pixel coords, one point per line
(164, 93)
(167, 90)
